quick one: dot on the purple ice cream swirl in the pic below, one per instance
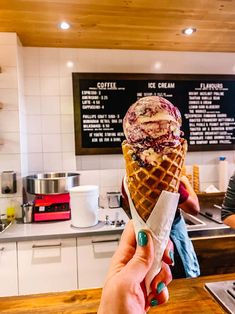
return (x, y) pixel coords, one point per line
(152, 126)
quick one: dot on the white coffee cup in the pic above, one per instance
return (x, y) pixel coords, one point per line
(84, 205)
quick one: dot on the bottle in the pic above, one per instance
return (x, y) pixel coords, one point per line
(10, 211)
(223, 174)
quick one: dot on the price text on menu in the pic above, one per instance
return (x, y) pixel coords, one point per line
(206, 103)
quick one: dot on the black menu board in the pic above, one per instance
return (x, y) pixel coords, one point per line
(206, 103)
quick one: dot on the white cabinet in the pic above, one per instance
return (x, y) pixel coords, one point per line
(94, 255)
(47, 266)
(8, 269)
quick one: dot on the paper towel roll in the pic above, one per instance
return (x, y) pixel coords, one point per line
(223, 174)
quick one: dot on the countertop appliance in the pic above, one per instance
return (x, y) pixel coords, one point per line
(213, 213)
(224, 293)
(51, 190)
(51, 207)
(210, 204)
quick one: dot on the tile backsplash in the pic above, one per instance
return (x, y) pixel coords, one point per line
(37, 122)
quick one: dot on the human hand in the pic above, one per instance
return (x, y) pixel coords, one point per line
(124, 291)
(185, 181)
(191, 204)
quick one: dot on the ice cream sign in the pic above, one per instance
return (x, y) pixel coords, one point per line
(161, 85)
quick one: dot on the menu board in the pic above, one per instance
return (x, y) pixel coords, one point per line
(206, 103)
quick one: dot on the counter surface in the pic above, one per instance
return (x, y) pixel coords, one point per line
(64, 229)
(61, 229)
(186, 296)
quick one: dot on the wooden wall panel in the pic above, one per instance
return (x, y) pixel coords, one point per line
(216, 256)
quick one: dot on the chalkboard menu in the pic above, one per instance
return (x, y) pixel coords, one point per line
(206, 103)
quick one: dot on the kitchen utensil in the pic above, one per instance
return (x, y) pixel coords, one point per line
(114, 199)
(27, 212)
(52, 182)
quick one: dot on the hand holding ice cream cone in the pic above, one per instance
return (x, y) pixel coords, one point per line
(154, 154)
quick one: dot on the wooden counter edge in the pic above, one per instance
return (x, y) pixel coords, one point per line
(186, 296)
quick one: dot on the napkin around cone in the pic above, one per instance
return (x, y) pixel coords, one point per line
(159, 224)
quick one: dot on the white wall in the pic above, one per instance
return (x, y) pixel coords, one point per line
(49, 106)
(49, 102)
(11, 96)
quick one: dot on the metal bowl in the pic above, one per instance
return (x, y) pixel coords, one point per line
(52, 182)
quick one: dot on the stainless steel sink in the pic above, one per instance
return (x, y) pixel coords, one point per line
(224, 293)
(4, 225)
(192, 222)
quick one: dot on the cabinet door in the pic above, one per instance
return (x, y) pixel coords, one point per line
(94, 255)
(8, 269)
(47, 266)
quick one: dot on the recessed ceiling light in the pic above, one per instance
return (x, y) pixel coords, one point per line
(64, 25)
(189, 31)
(158, 65)
(70, 64)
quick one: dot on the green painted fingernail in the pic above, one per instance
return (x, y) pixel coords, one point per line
(160, 287)
(171, 253)
(153, 302)
(142, 238)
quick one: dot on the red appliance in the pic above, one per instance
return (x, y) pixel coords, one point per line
(51, 190)
(51, 207)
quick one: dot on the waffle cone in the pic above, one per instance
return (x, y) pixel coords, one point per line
(146, 183)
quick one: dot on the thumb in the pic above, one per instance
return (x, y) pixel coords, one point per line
(142, 260)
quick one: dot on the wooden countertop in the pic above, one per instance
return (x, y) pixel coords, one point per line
(186, 296)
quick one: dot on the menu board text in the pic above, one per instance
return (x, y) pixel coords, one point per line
(206, 103)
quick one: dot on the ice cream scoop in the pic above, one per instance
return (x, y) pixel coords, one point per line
(152, 126)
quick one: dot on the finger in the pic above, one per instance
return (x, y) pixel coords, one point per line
(159, 293)
(168, 256)
(142, 260)
(127, 245)
(162, 279)
(154, 300)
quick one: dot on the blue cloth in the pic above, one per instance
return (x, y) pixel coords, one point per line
(179, 236)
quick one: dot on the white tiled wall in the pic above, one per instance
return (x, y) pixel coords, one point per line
(48, 110)
(11, 96)
(49, 99)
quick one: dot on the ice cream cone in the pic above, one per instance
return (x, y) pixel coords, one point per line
(146, 182)
(154, 153)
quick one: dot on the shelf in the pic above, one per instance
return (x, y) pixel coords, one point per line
(206, 195)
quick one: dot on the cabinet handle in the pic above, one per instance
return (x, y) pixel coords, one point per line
(36, 246)
(2, 249)
(104, 241)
